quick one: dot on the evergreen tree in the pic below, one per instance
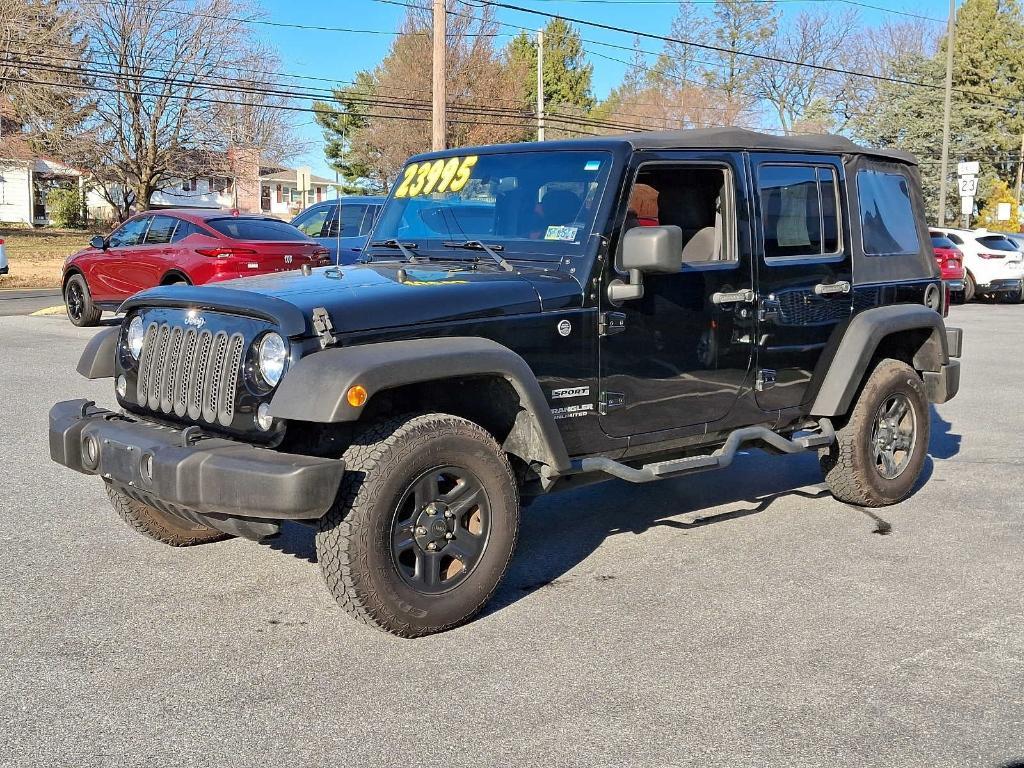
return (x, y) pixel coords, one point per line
(740, 27)
(567, 75)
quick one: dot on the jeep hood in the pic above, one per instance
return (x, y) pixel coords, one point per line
(372, 296)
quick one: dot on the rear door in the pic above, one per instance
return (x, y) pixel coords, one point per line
(804, 270)
(349, 237)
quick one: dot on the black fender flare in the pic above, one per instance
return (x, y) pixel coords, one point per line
(315, 388)
(97, 360)
(860, 341)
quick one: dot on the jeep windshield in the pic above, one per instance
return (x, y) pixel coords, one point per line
(529, 205)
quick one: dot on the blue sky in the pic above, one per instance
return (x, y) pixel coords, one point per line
(339, 55)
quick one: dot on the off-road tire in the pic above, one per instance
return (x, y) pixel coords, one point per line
(80, 307)
(161, 526)
(353, 541)
(848, 464)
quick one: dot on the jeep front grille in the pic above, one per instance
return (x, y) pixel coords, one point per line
(190, 372)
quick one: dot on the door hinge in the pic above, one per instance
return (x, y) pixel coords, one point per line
(609, 401)
(612, 323)
(765, 379)
(323, 327)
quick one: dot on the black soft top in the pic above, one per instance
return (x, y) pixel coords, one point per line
(741, 138)
(703, 138)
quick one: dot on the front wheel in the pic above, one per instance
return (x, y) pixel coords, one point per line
(424, 526)
(878, 455)
(78, 302)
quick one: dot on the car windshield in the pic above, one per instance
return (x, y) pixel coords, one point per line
(241, 228)
(534, 204)
(997, 243)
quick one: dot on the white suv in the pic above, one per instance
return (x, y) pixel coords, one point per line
(993, 265)
(4, 269)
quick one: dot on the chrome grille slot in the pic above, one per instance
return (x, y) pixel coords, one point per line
(229, 380)
(213, 375)
(198, 380)
(142, 386)
(191, 372)
(156, 366)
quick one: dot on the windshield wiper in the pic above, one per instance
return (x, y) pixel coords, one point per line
(490, 250)
(405, 248)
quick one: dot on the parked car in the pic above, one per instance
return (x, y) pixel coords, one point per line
(344, 242)
(179, 246)
(951, 264)
(1017, 238)
(4, 267)
(993, 266)
(404, 406)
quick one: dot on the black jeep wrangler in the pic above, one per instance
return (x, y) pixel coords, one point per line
(530, 318)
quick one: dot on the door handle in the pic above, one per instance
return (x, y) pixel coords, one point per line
(745, 296)
(827, 289)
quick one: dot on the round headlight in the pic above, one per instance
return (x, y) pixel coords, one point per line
(134, 337)
(271, 358)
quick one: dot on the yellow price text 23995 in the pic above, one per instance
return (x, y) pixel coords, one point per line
(444, 175)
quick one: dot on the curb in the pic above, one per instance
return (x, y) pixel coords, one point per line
(48, 311)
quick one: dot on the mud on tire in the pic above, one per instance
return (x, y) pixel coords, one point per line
(878, 455)
(375, 540)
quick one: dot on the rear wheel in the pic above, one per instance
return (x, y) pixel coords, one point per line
(424, 527)
(970, 288)
(78, 302)
(878, 455)
(159, 525)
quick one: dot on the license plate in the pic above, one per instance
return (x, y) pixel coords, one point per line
(120, 461)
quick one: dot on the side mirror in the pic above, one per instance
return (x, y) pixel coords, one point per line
(99, 243)
(658, 250)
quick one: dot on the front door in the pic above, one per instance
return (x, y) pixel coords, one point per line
(804, 271)
(114, 268)
(685, 347)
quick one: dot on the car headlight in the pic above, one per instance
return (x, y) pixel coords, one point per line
(271, 357)
(135, 335)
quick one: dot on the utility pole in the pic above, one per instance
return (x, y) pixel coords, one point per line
(440, 86)
(1020, 170)
(540, 85)
(945, 114)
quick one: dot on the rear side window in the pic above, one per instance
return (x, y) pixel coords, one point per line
(800, 211)
(372, 211)
(888, 225)
(257, 229)
(161, 230)
(183, 230)
(997, 243)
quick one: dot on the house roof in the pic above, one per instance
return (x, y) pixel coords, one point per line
(289, 174)
(15, 148)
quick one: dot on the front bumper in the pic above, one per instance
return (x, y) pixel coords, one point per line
(204, 474)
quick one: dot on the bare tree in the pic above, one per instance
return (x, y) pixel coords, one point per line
(802, 96)
(169, 97)
(41, 78)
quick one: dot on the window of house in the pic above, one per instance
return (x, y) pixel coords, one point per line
(188, 185)
(799, 211)
(697, 199)
(888, 224)
(161, 230)
(130, 233)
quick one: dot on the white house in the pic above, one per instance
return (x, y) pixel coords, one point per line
(280, 195)
(25, 181)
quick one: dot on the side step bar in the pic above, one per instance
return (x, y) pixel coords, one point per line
(718, 460)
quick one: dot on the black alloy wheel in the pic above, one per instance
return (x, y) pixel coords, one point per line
(78, 302)
(440, 529)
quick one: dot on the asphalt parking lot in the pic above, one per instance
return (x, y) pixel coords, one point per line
(740, 618)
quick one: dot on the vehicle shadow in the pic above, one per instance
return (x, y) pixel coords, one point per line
(560, 531)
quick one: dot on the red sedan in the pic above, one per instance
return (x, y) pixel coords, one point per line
(951, 263)
(179, 246)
